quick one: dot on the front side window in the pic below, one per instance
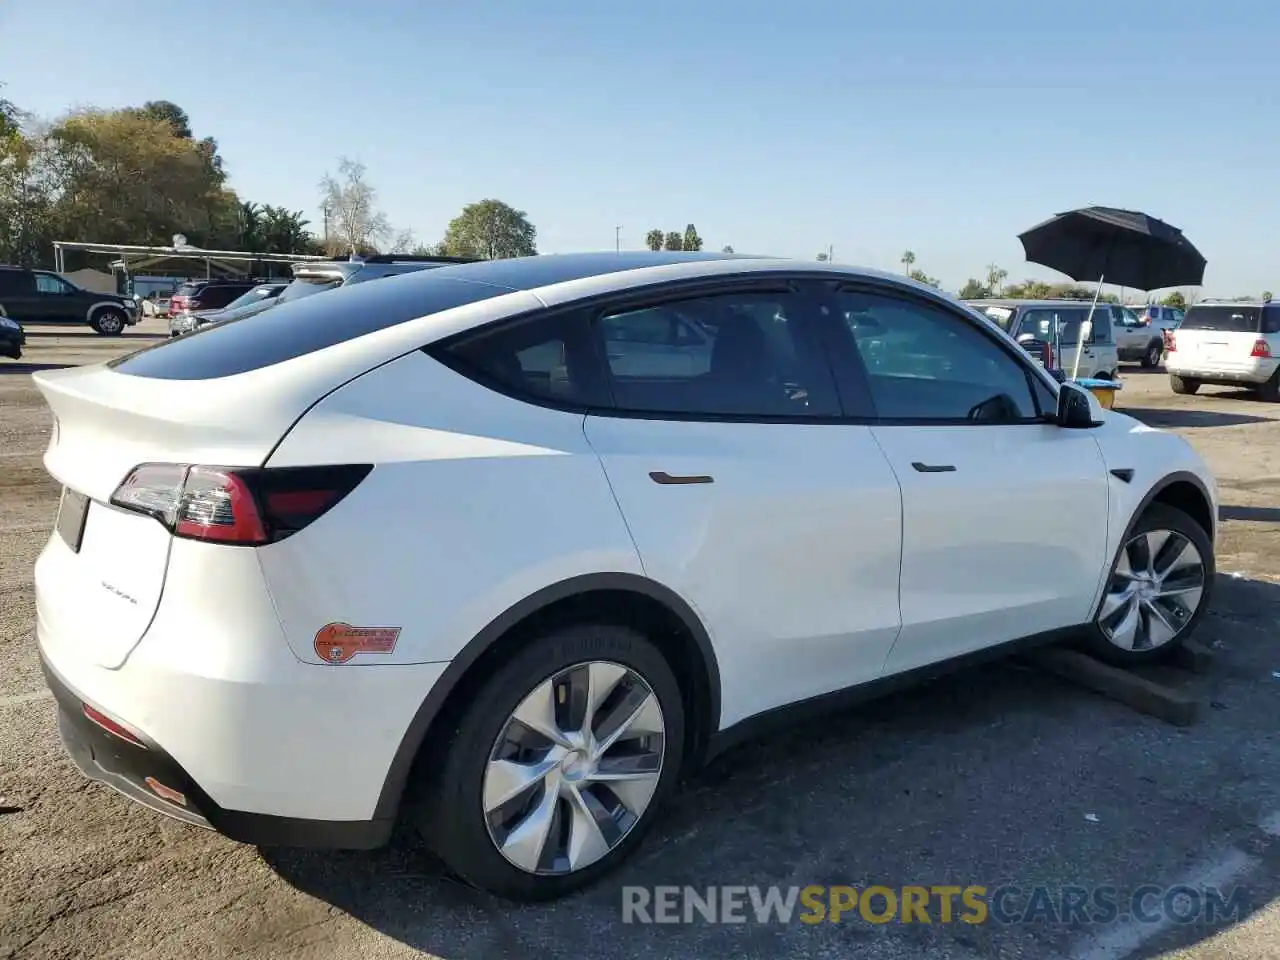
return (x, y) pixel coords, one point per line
(924, 363)
(47, 283)
(743, 354)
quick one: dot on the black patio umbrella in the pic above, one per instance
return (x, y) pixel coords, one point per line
(1122, 247)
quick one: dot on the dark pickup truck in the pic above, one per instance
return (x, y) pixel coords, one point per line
(41, 296)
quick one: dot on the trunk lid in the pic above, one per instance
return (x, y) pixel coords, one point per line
(100, 577)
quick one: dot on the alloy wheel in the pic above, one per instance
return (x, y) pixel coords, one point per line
(574, 769)
(1156, 589)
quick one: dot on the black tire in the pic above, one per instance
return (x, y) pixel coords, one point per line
(451, 818)
(1155, 517)
(1183, 385)
(109, 322)
(1270, 391)
(1155, 352)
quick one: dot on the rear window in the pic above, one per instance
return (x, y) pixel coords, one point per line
(1001, 316)
(1225, 318)
(188, 289)
(306, 286)
(291, 330)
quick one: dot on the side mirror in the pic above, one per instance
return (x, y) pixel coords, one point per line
(1078, 409)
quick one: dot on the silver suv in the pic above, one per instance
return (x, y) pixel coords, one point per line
(1032, 322)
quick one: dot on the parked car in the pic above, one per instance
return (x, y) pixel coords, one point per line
(431, 532)
(1032, 322)
(254, 300)
(1160, 316)
(1137, 337)
(195, 296)
(12, 338)
(1227, 344)
(41, 296)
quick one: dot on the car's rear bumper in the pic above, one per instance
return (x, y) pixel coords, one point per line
(1248, 373)
(145, 773)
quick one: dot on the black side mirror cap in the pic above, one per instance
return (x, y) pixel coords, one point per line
(1075, 408)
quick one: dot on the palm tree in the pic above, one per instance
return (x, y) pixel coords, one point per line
(995, 278)
(908, 258)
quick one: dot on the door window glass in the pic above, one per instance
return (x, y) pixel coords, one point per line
(733, 355)
(924, 363)
(48, 283)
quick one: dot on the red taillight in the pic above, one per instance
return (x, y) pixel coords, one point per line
(109, 725)
(243, 507)
(1260, 348)
(1170, 342)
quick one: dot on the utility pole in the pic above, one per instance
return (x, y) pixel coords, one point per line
(617, 239)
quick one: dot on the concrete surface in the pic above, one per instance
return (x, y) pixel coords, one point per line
(1000, 775)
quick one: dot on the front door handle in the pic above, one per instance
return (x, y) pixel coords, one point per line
(933, 467)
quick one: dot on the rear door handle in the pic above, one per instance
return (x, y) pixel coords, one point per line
(933, 467)
(664, 478)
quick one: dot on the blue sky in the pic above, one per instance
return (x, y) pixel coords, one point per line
(937, 126)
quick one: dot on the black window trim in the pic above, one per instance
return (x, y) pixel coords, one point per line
(852, 392)
(856, 381)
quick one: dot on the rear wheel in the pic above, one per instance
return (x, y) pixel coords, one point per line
(1183, 385)
(1159, 589)
(109, 322)
(1155, 351)
(1270, 391)
(557, 764)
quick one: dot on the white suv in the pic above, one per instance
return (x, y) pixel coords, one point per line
(1227, 344)
(440, 532)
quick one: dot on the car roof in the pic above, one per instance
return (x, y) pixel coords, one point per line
(1009, 302)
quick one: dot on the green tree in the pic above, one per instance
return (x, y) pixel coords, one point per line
(921, 277)
(121, 177)
(726, 249)
(995, 279)
(908, 259)
(26, 201)
(653, 240)
(974, 290)
(1175, 299)
(171, 114)
(355, 222)
(822, 257)
(10, 117)
(673, 241)
(691, 240)
(1266, 294)
(249, 228)
(491, 229)
(285, 231)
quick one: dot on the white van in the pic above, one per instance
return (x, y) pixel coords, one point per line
(1227, 344)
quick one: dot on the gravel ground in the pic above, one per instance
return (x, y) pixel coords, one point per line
(1000, 775)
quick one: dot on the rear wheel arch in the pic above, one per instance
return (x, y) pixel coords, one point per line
(625, 598)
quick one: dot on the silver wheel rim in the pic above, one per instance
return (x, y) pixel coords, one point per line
(574, 768)
(1156, 589)
(110, 323)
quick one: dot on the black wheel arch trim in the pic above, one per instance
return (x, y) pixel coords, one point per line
(397, 777)
(1164, 483)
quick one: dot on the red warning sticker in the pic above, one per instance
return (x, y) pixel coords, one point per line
(339, 642)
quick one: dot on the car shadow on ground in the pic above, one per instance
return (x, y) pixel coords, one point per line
(88, 334)
(19, 366)
(1182, 417)
(996, 776)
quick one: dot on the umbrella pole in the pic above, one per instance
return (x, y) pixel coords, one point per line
(1080, 339)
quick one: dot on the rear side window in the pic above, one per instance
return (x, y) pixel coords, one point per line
(14, 281)
(547, 357)
(290, 330)
(1223, 318)
(1040, 323)
(1271, 319)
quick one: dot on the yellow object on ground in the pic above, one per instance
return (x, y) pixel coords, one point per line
(1104, 390)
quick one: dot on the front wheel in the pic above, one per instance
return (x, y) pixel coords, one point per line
(1158, 590)
(1183, 385)
(109, 323)
(557, 763)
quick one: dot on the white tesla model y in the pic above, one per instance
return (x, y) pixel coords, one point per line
(535, 537)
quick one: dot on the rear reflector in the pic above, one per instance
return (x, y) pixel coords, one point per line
(243, 507)
(109, 725)
(166, 793)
